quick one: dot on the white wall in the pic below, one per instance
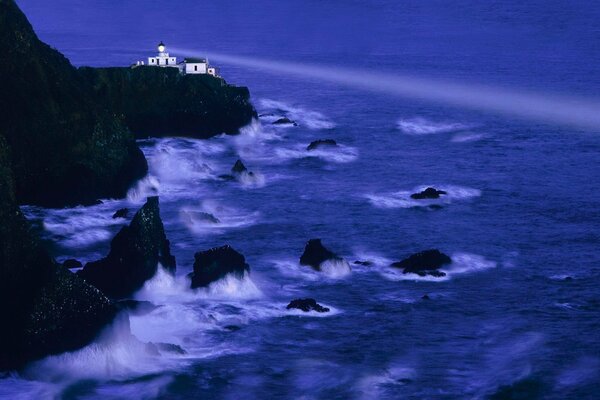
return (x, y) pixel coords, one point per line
(195, 68)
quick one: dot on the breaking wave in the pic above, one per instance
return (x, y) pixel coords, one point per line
(212, 216)
(402, 199)
(271, 110)
(422, 126)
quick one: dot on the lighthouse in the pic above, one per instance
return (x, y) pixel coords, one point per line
(162, 59)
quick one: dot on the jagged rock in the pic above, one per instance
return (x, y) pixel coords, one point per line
(429, 193)
(321, 142)
(136, 307)
(239, 167)
(285, 121)
(214, 264)
(424, 263)
(307, 305)
(44, 308)
(232, 328)
(121, 213)
(315, 254)
(425, 297)
(364, 263)
(72, 263)
(170, 348)
(134, 255)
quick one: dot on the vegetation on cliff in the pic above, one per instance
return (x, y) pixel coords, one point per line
(162, 102)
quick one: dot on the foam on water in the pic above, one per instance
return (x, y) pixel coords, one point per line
(462, 263)
(144, 188)
(305, 118)
(468, 137)
(423, 126)
(335, 154)
(195, 218)
(330, 270)
(402, 199)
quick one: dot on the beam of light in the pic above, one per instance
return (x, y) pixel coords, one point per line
(583, 113)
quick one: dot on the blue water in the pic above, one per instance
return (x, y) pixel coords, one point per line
(520, 217)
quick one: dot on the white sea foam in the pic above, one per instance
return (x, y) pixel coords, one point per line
(402, 199)
(330, 270)
(336, 269)
(195, 218)
(462, 263)
(305, 118)
(144, 188)
(253, 180)
(422, 126)
(468, 137)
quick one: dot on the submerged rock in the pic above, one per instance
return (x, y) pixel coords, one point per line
(285, 121)
(424, 263)
(363, 263)
(321, 142)
(121, 213)
(429, 193)
(72, 263)
(307, 305)
(134, 255)
(315, 254)
(216, 263)
(156, 348)
(200, 216)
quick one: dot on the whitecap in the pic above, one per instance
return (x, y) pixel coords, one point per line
(422, 126)
(311, 119)
(194, 218)
(402, 199)
(468, 137)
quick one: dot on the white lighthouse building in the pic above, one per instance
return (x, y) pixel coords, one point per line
(162, 59)
(187, 66)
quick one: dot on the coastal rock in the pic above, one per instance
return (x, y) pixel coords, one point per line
(363, 263)
(193, 105)
(72, 263)
(214, 264)
(315, 254)
(66, 148)
(121, 213)
(134, 255)
(44, 308)
(429, 193)
(155, 349)
(135, 307)
(239, 167)
(424, 263)
(307, 305)
(321, 142)
(285, 121)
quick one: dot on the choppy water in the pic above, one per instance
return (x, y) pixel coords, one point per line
(520, 215)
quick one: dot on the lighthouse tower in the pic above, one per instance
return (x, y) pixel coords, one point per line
(162, 59)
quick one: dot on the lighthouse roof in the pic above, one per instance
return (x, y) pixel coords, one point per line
(194, 60)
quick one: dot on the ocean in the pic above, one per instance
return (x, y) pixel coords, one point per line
(517, 313)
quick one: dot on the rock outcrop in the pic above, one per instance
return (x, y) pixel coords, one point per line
(66, 148)
(162, 102)
(216, 263)
(424, 263)
(429, 193)
(307, 305)
(321, 143)
(121, 213)
(284, 121)
(315, 254)
(44, 308)
(134, 255)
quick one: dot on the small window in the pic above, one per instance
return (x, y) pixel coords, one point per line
(166, 61)
(195, 68)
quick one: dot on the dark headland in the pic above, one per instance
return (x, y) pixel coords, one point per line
(67, 137)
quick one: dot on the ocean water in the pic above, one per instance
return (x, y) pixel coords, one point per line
(520, 218)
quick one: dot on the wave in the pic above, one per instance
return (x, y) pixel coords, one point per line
(330, 270)
(422, 126)
(311, 119)
(402, 199)
(468, 137)
(212, 216)
(337, 154)
(462, 263)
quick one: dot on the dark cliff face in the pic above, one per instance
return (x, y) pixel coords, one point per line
(66, 148)
(161, 102)
(44, 308)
